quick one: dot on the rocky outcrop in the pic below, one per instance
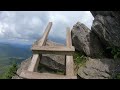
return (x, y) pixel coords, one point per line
(56, 62)
(106, 25)
(86, 41)
(50, 61)
(99, 69)
(24, 66)
(105, 32)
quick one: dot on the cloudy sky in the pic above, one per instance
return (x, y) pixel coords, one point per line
(26, 26)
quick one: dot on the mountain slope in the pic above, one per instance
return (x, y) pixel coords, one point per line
(13, 53)
(9, 50)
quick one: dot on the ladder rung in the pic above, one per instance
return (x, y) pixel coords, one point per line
(53, 50)
(35, 75)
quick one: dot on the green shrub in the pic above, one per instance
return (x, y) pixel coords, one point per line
(79, 58)
(117, 76)
(115, 52)
(11, 71)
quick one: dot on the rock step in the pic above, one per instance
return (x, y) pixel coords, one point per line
(35, 75)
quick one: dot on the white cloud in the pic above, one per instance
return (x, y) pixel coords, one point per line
(63, 19)
(30, 25)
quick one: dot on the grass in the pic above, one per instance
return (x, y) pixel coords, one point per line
(9, 72)
(79, 60)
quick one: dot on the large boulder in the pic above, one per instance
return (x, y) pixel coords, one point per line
(99, 69)
(86, 41)
(106, 25)
(56, 62)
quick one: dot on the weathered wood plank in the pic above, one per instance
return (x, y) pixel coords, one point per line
(53, 50)
(36, 57)
(34, 75)
(34, 63)
(45, 35)
(69, 58)
(42, 41)
(69, 66)
(68, 38)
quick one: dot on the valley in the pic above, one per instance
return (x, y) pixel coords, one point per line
(10, 53)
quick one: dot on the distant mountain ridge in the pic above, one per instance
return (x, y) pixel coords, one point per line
(14, 50)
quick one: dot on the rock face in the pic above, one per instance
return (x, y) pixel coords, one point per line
(105, 32)
(51, 61)
(99, 69)
(86, 41)
(106, 25)
(56, 62)
(24, 66)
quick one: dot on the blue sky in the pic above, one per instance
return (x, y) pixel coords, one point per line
(26, 26)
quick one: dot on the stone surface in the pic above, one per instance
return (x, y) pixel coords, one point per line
(55, 62)
(99, 69)
(86, 41)
(106, 25)
(16, 77)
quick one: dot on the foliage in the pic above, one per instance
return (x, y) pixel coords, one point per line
(115, 51)
(79, 58)
(115, 76)
(11, 71)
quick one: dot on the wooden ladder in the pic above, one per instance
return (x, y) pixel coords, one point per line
(39, 48)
